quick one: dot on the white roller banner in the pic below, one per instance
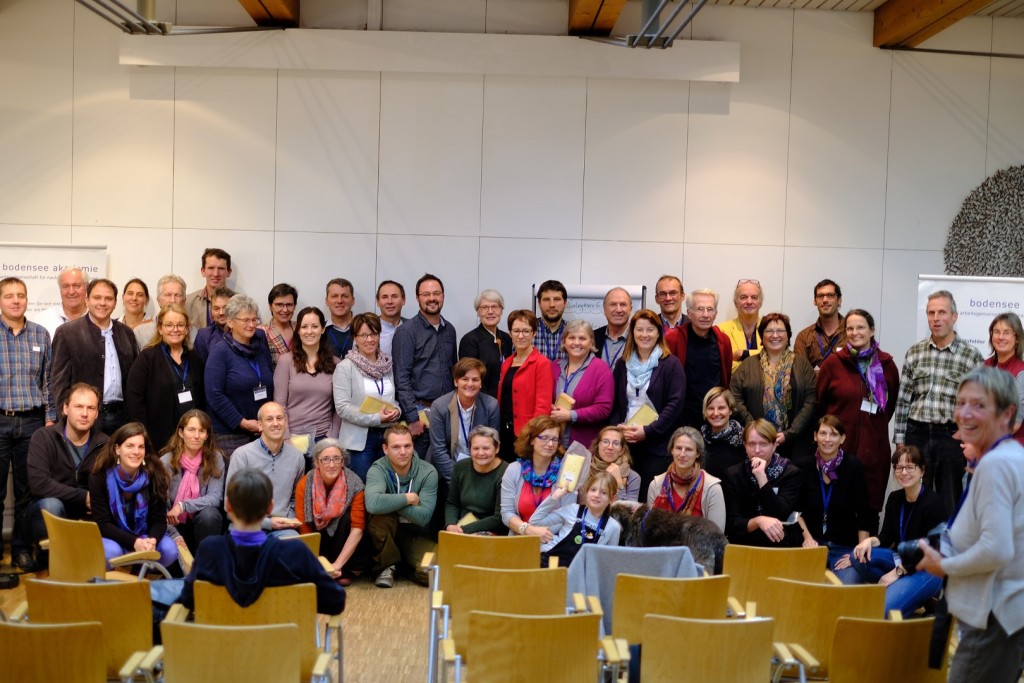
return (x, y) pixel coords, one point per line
(40, 264)
(586, 302)
(978, 300)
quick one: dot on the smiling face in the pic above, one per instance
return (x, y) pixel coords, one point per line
(330, 464)
(775, 338)
(827, 301)
(430, 296)
(545, 444)
(194, 435)
(72, 290)
(489, 313)
(522, 335)
(684, 455)
(609, 448)
(219, 309)
(101, 303)
(858, 332)
(273, 421)
(829, 440)
(758, 447)
(390, 301)
(718, 414)
(979, 422)
(1003, 340)
(645, 335)
(216, 272)
(703, 313)
(174, 329)
(13, 302)
(669, 295)
(483, 452)
(578, 345)
(131, 453)
(618, 306)
(135, 299)
(339, 301)
(283, 308)
(748, 299)
(310, 330)
(908, 475)
(598, 497)
(941, 319)
(469, 385)
(243, 326)
(367, 341)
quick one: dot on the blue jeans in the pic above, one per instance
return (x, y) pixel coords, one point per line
(15, 434)
(360, 461)
(166, 547)
(849, 575)
(906, 593)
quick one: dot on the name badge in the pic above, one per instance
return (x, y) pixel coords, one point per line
(868, 406)
(185, 396)
(260, 393)
(36, 349)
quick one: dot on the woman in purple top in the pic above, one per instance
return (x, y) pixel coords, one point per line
(588, 380)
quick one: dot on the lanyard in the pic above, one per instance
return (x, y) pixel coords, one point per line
(608, 356)
(903, 505)
(183, 376)
(752, 341)
(380, 386)
(462, 424)
(568, 379)
(826, 351)
(689, 494)
(256, 368)
(581, 520)
(826, 496)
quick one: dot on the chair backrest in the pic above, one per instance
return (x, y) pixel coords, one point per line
(512, 648)
(499, 552)
(806, 613)
(637, 596)
(312, 542)
(125, 609)
(748, 567)
(70, 653)
(279, 605)
(678, 650)
(883, 651)
(76, 550)
(510, 591)
(230, 654)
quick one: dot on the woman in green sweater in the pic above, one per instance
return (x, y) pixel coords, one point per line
(471, 507)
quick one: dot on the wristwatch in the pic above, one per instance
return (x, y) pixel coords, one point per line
(901, 570)
(522, 528)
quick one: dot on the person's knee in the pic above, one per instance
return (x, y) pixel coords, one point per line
(55, 506)
(210, 518)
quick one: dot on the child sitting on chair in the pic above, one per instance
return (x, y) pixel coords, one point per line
(246, 560)
(575, 525)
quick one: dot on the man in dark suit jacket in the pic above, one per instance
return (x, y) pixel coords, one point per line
(610, 339)
(96, 350)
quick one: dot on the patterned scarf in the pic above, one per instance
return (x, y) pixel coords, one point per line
(732, 435)
(828, 468)
(694, 486)
(324, 510)
(638, 372)
(374, 369)
(121, 490)
(541, 481)
(873, 375)
(188, 489)
(778, 396)
(773, 470)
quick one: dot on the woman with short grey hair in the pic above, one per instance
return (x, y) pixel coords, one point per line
(486, 342)
(476, 487)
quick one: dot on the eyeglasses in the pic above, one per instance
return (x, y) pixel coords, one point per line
(547, 439)
(280, 305)
(368, 336)
(248, 321)
(904, 468)
(521, 333)
(670, 294)
(489, 308)
(608, 443)
(774, 333)
(331, 459)
(826, 295)
(747, 282)
(175, 326)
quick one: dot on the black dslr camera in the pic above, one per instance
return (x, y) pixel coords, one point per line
(910, 552)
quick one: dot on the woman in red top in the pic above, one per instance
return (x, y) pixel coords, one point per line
(526, 384)
(531, 479)
(329, 501)
(1006, 337)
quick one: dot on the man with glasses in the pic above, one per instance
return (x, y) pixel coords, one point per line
(170, 289)
(72, 283)
(817, 342)
(704, 351)
(669, 294)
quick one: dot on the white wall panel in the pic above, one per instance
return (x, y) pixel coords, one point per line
(631, 263)
(513, 266)
(308, 260)
(1006, 106)
(252, 260)
(896, 328)
(126, 259)
(448, 16)
(857, 271)
(37, 234)
(720, 266)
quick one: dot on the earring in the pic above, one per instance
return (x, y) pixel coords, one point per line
(117, 460)
(143, 462)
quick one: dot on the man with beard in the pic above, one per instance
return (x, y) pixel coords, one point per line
(817, 342)
(551, 299)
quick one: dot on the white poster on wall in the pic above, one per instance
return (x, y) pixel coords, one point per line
(978, 300)
(40, 264)
(586, 302)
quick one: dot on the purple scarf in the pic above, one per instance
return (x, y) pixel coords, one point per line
(874, 377)
(828, 468)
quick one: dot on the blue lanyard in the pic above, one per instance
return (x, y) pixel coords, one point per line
(752, 342)
(568, 379)
(174, 366)
(256, 368)
(380, 386)
(826, 496)
(611, 359)
(581, 519)
(689, 494)
(903, 505)
(462, 424)
(826, 351)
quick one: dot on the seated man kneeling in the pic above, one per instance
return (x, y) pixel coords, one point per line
(247, 560)
(401, 492)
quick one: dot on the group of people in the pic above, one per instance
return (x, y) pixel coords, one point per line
(377, 430)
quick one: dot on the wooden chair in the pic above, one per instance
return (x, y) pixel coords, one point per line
(71, 653)
(748, 567)
(637, 596)
(500, 552)
(312, 541)
(76, 553)
(884, 651)
(678, 650)
(124, 609)
(279, 605)
(805, 619)
(516, 648)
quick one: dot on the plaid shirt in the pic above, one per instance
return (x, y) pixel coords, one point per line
(550, 343)
(25, 369)
(278, 346)
(929, 380)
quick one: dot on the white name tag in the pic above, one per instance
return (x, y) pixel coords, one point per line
(36, 349)
(259, 393)
(185, 396)
(868, 406)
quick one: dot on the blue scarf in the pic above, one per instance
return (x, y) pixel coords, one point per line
(541, 481)
(638, 373)
(120, 490)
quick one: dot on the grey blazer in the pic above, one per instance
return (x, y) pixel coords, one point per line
(444, 428)
(349, 393)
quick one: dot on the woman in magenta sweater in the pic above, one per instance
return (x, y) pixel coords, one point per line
(587, 380)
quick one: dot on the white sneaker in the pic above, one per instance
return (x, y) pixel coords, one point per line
(386, 579)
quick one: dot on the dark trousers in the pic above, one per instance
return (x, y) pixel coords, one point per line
(112, 417)
(15, 434)
(395, 543)
(944, 460)
(987, 654)
(207, 522)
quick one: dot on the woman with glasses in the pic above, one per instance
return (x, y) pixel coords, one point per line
(281, 328)
(528, 481)
(859, 383)
(166, 379)
(743, 330)
(239, 378)
(1006, 337)
(609, 452)
(486, 342)
(911, 511)
(329, 500)
(365, 373)
(525, 386)
(779, 386)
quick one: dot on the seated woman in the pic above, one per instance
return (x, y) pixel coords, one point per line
(762, 493)
(685, 487)
(574, 526)
(329, 500)
(836, 510)
(476, 487)
(723, 435)
(246, 560)
(530, 480)
(455, 414)
(128, 496)
(525, 386)
(196, 493)
(587, 380)
(911, 511)
(609, 453)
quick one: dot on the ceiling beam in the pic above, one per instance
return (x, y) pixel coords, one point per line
(594, 17)
(908, 23)
(283, 13)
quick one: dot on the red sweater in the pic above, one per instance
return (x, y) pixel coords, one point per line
(532, 388)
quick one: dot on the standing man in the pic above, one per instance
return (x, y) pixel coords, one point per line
(401, 494)
(72, 283)
(339, 300)
(610, 340)
(96, 350)
(390, 301)
(551, 300)
(817, 342)
(25, 405)
(60, 460)
(669, 294)
(425, 349)
(215, 269)
(170, 289)
(276, 457)
(705, 352)
(932, 370)
(211, 335)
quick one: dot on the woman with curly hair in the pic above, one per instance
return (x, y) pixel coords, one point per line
(531, 479)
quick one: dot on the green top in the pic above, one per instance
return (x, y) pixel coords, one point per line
(384, 495)
(478, 493)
